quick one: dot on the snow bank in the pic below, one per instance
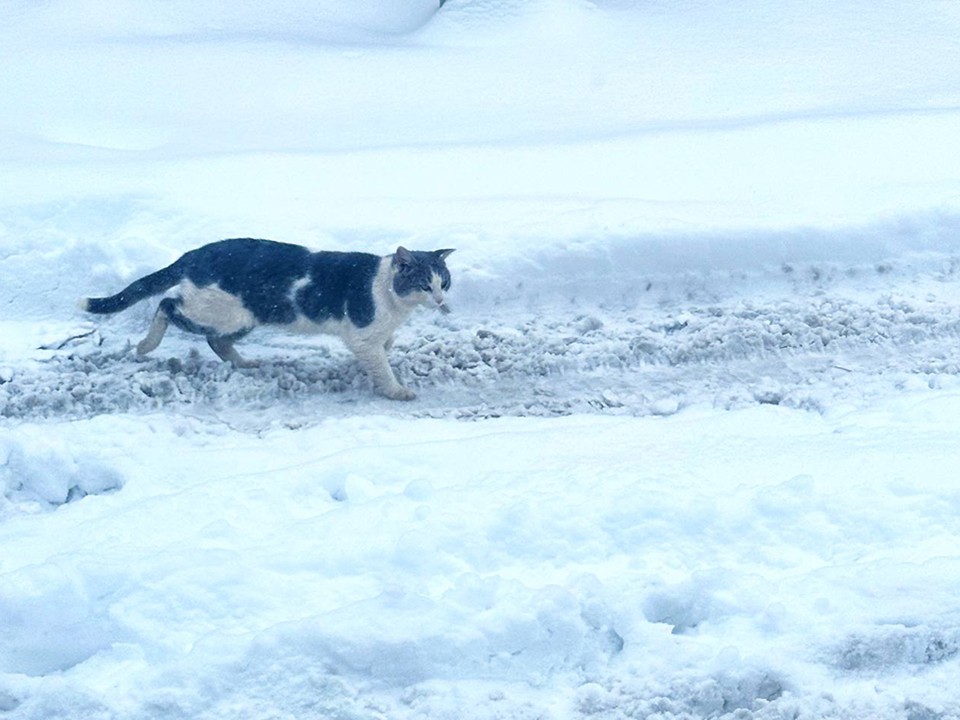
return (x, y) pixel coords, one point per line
(277, 20)
(37, 472)
(491, 119)
(368, 569)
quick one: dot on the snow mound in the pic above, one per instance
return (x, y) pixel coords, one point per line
(38, 473)
(51, 619)
(741, 693)
(895, 646)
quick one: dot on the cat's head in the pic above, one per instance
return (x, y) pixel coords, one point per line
(421, 277)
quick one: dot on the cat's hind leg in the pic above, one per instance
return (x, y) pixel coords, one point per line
(157, 330)
(223, 347)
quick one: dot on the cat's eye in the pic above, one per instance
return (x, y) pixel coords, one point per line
(425, 286)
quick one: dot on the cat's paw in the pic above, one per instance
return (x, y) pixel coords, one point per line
(399, 393)
(146, 346)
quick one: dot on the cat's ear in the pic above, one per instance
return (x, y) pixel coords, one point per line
(402, 257)
(442, 254)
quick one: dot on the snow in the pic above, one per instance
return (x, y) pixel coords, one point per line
(685, 447)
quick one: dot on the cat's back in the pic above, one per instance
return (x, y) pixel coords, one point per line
(344, 269)
(279, 281)
(238, 262)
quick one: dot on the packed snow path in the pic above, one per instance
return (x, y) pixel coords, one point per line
(812, 349)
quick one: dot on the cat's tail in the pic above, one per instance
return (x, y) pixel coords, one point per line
(152, 284)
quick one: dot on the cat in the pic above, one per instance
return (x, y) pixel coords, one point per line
(227, 288)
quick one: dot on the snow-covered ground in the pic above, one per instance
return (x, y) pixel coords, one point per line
(687, 447)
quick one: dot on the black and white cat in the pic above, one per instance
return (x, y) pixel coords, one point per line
(226, 289)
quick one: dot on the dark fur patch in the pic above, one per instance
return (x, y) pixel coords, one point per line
(340, 284)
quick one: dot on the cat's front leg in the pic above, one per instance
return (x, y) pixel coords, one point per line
(400, 393)
(373, 358)
(225, 350)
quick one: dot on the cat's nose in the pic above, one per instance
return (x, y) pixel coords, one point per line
(441, 301)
